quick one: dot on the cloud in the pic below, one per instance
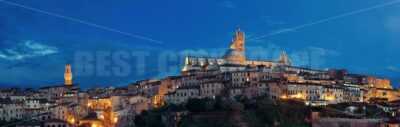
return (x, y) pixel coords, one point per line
(323, 51)
(26, 49)
(213, 52)
(228, 4)
(392, 68)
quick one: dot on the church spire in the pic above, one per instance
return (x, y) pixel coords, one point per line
(283, 58)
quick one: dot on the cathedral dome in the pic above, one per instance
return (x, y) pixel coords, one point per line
(234, 55)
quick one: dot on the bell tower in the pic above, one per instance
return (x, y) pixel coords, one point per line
(236, 52)
(283, 58)
(68, 75)
(238, 41)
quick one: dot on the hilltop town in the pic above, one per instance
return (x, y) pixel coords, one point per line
(226, 91)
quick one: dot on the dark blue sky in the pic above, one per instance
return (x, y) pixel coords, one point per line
(35, 46)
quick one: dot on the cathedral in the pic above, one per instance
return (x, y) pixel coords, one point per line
(234, 59)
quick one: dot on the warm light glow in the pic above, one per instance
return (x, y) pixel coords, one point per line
(89, 104)
(298, 96)
(72, 120)
(329, 98)
(94, 125)
(115, 120)
(283, 97)
(102, 117)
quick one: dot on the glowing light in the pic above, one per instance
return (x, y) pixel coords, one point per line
(115, 120)
(283, 97)
(72, 120)
(101, 116)
(329, 98)
(94, 125)
(298, 96)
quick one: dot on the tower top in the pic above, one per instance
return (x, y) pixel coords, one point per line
(239, 35)
(237, 48)
(68, 75)
(283, 58)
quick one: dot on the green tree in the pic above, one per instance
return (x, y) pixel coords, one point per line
(195, 105)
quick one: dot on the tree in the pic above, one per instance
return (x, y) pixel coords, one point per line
(209, 106)
(148, 119)
(237, 107)
(221, 103)
(195, 105)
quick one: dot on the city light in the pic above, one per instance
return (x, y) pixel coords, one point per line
(115, 120)
(72, 120)
(330, 98)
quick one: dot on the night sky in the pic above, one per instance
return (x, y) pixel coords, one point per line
(38, 38)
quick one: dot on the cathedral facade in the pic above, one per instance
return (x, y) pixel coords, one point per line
(234, 59)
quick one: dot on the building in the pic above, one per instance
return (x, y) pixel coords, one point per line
(91, 120)
(11, 110)
(181, 95)
(303, 91)
(99, 103)
(70, 112)
(30, 123)
(352, 93)
(68, 75)
(333, 94)
(211, 89)
(53, 122)
(233, 60)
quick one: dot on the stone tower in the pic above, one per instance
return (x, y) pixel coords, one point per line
(236, 52)
(283, 58)
(68, 75)
(238, 41)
